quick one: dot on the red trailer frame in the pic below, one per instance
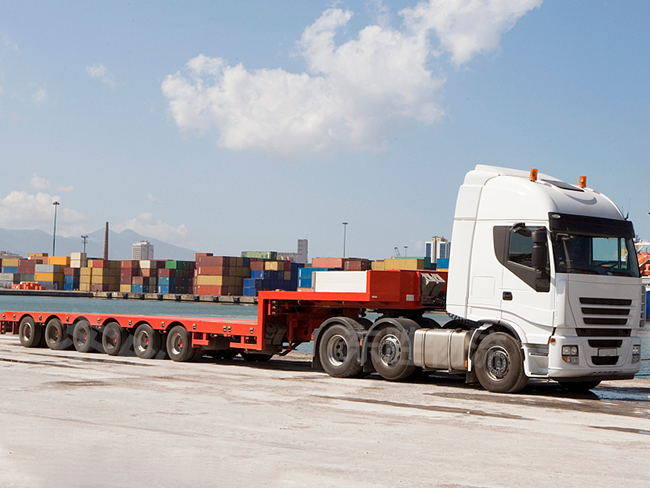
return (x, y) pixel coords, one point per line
(296, 315)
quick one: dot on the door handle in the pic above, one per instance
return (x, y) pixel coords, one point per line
(507, 295)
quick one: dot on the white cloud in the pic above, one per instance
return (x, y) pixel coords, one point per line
(22, 210)
(40, 95)
(66, 189)
(7, 42)
(100, 72)
(354, 94)
(39, 183)
(146, 225)
(467, 27)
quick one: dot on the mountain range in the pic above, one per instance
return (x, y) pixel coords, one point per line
(119, 244)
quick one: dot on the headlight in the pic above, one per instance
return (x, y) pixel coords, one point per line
(570, 354)
(636, 350)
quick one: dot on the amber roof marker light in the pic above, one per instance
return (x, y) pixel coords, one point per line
(583, 182)
(533, 174)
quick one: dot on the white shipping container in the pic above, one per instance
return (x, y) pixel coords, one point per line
(340, 281)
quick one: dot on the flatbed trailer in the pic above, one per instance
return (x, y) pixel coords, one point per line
(285, 320)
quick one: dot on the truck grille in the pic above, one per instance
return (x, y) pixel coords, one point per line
(607, 311)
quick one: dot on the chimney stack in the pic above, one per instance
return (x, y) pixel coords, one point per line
(105, 255)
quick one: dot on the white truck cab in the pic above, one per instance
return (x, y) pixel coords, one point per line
(547, 273)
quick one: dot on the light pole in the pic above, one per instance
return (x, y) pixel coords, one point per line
(56, 204)
(405, 253)
(84, 239)
(345, 227)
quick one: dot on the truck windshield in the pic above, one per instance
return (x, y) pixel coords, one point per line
(593, 245)
(612, 256)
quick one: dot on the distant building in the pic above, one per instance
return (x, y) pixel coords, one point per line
(302, 256)
(10, 255)
(437, 248)
(142, 250)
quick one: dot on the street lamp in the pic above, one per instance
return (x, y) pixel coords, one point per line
(56, 204)
(405, 253)
(345, 227)
(84, 239)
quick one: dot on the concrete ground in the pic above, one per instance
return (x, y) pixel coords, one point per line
(75, 420)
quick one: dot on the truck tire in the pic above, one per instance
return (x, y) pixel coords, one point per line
(500, 364)
(179, 345)
(146, 342)
(115, 339)
(389, 353)
(29, 333)
(56, 335)
(85, 337)
(338, 351)
(579, 386)
(256, 357)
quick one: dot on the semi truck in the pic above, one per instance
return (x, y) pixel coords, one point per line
(542, 283)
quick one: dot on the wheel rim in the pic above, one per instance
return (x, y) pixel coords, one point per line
(142, 341)
(82, 338)
(390, 350)
(497, 362)
(337, 350)
(53, 334)
(27, 331)
(177, 344)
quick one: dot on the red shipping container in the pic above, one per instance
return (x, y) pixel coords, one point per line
(26, 269)
(212, 271)
(130, 272)
(98, 263)
(149, 272)
(211, 290)
(130, 264)
(99, 287)
(125, 280)
(71, 271)
(201, 255)
(257, 265)
(336, 263)
(213, 261)
(139, 280)
(165, 273)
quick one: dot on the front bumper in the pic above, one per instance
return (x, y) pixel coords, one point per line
(604, 358)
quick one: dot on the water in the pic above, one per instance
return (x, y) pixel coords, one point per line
(191, 309)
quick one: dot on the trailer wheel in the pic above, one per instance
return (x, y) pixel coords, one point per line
(114, 339)
(146, 342)
(56, 335)
(85, 337)
(389, 353)
(579, 386)
(339, 351)
(179, 345)
(256, 357)
(500, 364)
(29, 333)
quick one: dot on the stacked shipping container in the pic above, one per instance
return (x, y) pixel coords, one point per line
(220, 275)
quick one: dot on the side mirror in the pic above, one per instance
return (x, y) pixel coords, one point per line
(540, 250)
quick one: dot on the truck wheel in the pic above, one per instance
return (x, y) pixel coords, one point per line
(85, 337)
(56, 335)
(29, 333)
(389, 353)
(146, 342)
(114, 339)
(500, 364)
(579, 386)
(179, 345)
(256, 357)
(338, 351)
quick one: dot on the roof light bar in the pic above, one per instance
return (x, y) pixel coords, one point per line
(583, 182)
(533, 174)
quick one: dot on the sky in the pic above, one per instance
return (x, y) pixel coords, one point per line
(228, 126)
